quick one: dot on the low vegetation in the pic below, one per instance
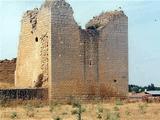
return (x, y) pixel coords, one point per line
(13, 115)
(78, 110)
(143, 107)
(119, 102)
(118, 110)
(29, 110)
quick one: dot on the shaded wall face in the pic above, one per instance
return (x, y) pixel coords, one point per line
(67, 70)
(89, 52)
(113, 55)
(32, 51)
(7, 70)
(87, 62)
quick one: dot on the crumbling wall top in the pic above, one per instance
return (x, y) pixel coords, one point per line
(31, 15)
(55, 4)
(104, 18)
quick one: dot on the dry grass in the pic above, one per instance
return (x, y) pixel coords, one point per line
(99, 111)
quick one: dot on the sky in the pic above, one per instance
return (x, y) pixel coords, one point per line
(144, 31)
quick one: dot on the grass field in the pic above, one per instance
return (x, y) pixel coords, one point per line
(99, 111)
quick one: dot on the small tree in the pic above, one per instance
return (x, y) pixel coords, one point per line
(78, 110)
(13, 115)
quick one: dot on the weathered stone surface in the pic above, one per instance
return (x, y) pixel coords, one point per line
(73, 61)
(7, 69)
(104, 18)
(32, 59)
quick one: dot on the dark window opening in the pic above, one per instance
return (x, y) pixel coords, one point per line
(36, 39)
(115, 81)
(90, 62)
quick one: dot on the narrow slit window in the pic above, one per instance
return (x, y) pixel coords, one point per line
(90, 62)
(36, 39)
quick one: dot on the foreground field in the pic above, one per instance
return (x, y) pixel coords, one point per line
(99, 111)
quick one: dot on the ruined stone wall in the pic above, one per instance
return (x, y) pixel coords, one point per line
(67, 71)
(7, 70)
(32, 57)
(113, 53)
(79, 57)
(89, 51)
(74, 62)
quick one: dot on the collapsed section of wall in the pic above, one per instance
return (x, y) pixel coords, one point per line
(7, 70)
(32, 59)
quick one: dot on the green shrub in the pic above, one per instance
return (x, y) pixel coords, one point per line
(99, 111)
(78, 110)
(99, 116)
(13, 115)
(76, 104)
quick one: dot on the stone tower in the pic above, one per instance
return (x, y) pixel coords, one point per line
(54, 52)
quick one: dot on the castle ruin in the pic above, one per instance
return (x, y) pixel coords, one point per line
(55, 53)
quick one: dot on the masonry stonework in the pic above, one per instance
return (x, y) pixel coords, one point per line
(32, 59)
(54, 52)
(7, 69)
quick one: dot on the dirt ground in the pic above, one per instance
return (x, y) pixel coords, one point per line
(99, 111)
